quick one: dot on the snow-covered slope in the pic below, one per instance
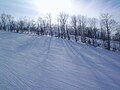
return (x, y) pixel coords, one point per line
(47, 63)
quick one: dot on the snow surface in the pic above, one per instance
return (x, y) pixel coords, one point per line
(47, 63)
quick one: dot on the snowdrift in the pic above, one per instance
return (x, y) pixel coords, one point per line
(47, 63)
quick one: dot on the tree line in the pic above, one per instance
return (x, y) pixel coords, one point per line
(103, 32)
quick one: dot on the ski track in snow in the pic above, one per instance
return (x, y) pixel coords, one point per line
(46, 63)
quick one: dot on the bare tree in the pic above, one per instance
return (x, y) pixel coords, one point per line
(39, 26)
(3, 21)
(68, 33)
(58, 26)
(102, 34)
(49, 18)
(9, 22)
(108, 24)
(0, 24)
(63, 19)
(93, 27)
(28, 26)
(117, 38)
(74, 26)
(42, 25)
(33, 26)
(82, 21)
(79, 25)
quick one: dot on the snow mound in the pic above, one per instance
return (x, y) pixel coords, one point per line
(47, 63)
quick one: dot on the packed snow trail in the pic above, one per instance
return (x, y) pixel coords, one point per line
(47, 63)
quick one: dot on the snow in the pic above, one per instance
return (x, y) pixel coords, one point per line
(29, 62)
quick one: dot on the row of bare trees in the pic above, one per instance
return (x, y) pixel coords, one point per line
(104, 32)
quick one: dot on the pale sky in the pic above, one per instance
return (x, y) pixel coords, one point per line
(35, 8)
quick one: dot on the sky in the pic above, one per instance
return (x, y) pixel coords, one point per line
(36, 8)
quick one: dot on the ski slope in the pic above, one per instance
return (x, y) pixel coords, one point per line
(47, 63)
